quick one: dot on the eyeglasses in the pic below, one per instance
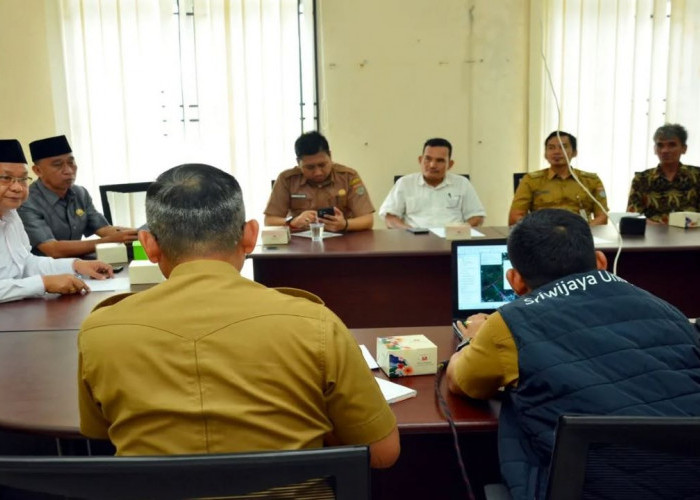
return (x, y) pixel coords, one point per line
(8, 180)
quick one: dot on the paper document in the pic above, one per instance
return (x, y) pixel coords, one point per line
(440, 231)
(599, 241)
(108, 285)
(394, 392)
(326, 234)
(371, 362)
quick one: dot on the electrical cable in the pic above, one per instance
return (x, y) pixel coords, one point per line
(568, 160)
(445, 410)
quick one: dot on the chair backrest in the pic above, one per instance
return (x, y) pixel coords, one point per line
(107, 195)
(626, 458)
(397, 177)
(516, 179)
(190, 476)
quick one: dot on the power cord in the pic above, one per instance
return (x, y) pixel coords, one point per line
(566, 156)
(445, 409)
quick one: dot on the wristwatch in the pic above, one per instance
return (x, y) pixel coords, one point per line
(288, 220)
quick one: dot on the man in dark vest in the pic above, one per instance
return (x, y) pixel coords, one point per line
(579, 340)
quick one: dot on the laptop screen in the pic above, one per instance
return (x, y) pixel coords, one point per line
(479, 281)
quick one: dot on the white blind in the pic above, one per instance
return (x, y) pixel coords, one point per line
(621, 69)
(155, 83)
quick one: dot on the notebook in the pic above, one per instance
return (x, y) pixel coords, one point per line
(393, 393)
(479, 281)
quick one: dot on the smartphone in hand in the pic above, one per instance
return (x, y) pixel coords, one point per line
(325, 212)
(463, 341)
(458, 333)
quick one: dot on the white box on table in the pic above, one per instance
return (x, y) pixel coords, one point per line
(405, 355)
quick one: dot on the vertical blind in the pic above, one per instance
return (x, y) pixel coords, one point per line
(620, 69)
(155, 83)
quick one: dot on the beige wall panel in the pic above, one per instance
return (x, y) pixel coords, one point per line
(396, 72)
(26, 102)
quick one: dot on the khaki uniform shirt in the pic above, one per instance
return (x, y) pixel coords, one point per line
(210, 362)
(292, 193)
(543, 189)
(489, 362)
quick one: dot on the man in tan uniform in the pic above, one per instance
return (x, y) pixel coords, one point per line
(211, 362)
(555, 187)
(316, 182)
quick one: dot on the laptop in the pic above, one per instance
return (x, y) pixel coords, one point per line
(479, 283)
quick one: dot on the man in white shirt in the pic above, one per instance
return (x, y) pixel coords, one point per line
(21, 273)
(433, 197)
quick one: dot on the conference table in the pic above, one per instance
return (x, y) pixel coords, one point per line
(379, 278)
(384, 282)
(38, 391)
(393, 278)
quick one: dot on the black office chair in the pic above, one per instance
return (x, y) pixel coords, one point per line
(397, 177)
(621, 458)
(516, 179)
(133, 187)
(192, 476)
(626, 458)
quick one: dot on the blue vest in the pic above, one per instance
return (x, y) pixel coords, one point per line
(590, 343)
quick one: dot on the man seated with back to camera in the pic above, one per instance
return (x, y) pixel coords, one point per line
(578, 340)
(555, 187)
(317, 182)
(219, 363)
(669, 187)
(432, 197)
(59, 213)
(22, 274)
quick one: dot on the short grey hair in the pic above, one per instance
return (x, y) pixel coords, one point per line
(194, 210)
(670, 131)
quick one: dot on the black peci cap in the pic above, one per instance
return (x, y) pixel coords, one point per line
(11, 151)
(51, 146)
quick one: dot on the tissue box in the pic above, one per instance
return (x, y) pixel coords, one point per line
(142, 272)
(275, 235)
(111, 253)
(684, 219)
(458, 232)
(406, 355)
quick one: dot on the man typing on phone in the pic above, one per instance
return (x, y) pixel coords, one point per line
(318, 189)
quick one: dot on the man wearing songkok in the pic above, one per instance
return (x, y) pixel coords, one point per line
(59, 213)
(23, 274)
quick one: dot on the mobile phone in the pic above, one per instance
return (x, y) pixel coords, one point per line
(463, 341)
(458, 333)
(417, 230)
(325, 212)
